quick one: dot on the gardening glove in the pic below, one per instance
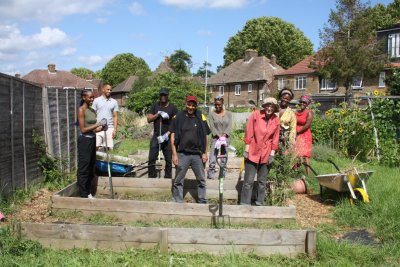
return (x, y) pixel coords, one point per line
(163, 114)
(103, 124)
(162, 138)
(221, 142)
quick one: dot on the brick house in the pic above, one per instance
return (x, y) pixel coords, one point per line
(121, 91)
(246, 80)
(51, 77)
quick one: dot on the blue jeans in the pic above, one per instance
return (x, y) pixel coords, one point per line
(251, 169)
(184, 162)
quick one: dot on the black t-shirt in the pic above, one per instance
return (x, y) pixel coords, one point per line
(170, 109)
(189, 141)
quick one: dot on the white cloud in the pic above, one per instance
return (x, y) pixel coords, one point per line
(221, 4)
(101, 20)
(137, 9)
(48, 11)
(68, 51)
(93, 60)
(13, 41)
(204, 33)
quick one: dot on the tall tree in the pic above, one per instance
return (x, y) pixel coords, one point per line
(122, 66)
(82, 72)
(202, 70)
(350, 48)
(181, 62)
(269, 35)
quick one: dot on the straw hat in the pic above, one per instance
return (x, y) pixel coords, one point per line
(271, 100)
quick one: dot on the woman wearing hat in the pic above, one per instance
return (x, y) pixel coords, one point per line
(304, 118)
(287, 117)
(261, 139)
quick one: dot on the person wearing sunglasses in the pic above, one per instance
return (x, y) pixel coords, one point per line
(304, 118)
(220, 121)
(262, 140)
(288, 119)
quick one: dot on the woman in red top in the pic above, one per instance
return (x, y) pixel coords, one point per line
(304, 119)
(262, 139)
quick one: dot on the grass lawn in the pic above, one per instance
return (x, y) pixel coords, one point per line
(381, 217)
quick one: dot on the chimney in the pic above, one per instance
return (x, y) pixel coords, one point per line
(51, 68)
(89, 77)
(273, 60)
(249, 54)
(17, 75)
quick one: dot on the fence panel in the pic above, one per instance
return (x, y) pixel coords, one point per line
(5, 142)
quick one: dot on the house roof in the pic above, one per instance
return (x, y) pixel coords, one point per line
(164, 66)
(126, 85)
(393, 65)
(255, 69)
(58, 78)
(300, 68)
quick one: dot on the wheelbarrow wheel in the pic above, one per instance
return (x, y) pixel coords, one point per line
(361, 196)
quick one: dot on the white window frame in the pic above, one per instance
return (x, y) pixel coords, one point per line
(394, 45)
(326, 85)
(300, 83)
(381, 80)
(238, 89)
(250, 88)
(221, 90)
(282, 81)
(262, 97)
(357, 83)
(210, 89)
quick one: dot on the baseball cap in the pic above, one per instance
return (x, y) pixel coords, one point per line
(164, 91)
(191, 98)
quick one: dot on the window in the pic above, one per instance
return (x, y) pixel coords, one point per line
(237, 89)
(261, 96)
(357, 83)
(221, 90)
(327, 84)
(394, 45)
(210, 89)
(281, 83)
(301, 83)
(382, 79)
(250, 88)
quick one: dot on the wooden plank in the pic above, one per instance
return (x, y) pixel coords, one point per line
(311, 243)
(288, 250)
(69, 191)
(274, 237)
(171, 208)
(163, 241)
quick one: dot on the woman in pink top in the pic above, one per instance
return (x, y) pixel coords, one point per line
(262, 139)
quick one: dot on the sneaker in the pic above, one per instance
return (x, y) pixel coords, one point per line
(90, 196)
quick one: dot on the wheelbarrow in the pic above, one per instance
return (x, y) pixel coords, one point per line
(351, 182)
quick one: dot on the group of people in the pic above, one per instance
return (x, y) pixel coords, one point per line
(182, 136)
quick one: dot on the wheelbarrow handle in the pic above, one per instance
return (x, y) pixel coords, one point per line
(315, 173)
(334, 164)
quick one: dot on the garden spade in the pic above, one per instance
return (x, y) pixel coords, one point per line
(109, 166)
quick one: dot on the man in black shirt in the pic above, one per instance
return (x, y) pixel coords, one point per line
(161, 114)
(189, 130)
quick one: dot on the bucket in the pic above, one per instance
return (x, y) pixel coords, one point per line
(299, 186)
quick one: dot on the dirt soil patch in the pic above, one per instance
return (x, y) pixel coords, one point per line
(310, 211)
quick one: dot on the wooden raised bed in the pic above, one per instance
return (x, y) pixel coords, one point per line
(214, 241)
(133, 210)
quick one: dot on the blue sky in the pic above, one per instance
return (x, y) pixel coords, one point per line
(87, 33)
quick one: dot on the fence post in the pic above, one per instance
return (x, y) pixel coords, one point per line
(12, 131)
(47, 124)
(68, 133)
(75, 131)
(58, 128)
(23, 136)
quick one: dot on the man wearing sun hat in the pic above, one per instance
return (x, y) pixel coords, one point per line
(189, 130)
(262, 140)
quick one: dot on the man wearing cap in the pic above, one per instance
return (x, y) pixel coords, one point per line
(261, 139)
(161, 114)
(189, 130)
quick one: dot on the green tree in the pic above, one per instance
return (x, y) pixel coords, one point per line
(122, 66)
(82, 72)
(145, 93)
(384, 16)
(269, 35)
(202, 70)
(181, 62)
(350, 46)
(393, 82)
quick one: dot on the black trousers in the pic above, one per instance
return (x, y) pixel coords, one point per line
(153, 156)
(86, 163)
